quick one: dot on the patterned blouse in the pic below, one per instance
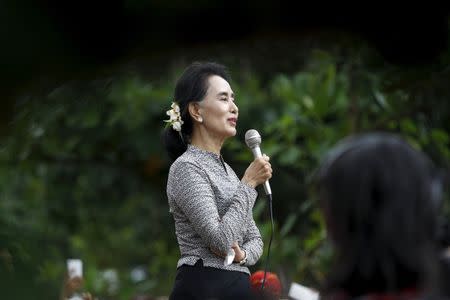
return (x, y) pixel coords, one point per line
(211, 208)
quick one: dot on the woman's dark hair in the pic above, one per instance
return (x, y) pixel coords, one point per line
(190, 87)
(380, 198)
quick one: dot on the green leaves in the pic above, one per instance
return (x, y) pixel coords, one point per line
(84, 170)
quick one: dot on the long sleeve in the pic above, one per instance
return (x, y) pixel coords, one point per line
(191, 190)
(253, 244)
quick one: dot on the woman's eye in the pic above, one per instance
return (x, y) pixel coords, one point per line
(224, 99)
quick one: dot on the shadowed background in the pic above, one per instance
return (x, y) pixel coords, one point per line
(84, 89)
(46, 43)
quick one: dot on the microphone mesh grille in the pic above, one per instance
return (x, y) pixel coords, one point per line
(252, 138)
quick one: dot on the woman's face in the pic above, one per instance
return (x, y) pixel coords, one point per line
(218, 110)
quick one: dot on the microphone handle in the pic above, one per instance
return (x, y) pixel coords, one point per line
(257, 153)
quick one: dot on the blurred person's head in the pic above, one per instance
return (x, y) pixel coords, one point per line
(379, 197)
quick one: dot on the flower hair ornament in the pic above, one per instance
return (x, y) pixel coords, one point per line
(175, 118)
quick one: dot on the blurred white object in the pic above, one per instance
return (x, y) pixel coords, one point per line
(229, 258)
(111, 278)
(75, 267)
(300, 292)
(138, 274)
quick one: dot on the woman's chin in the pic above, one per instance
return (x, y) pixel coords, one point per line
(233, 132)
(229, 132)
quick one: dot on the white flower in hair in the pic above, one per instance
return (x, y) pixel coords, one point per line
(172, 114)
(174, 117)
(176, 126)
(175, 107)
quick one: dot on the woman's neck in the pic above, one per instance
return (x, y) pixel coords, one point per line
(205, 141)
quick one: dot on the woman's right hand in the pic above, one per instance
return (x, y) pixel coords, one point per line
(258, 172)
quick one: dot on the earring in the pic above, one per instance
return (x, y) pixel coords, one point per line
(200, 119)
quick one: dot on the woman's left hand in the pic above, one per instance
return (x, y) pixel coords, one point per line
(240, 254)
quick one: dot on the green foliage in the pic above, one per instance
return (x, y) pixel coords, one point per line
(83, 173)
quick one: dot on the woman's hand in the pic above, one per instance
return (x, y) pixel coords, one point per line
(258, 172)
(240, 254)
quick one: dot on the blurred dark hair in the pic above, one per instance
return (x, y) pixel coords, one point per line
(190, 87)
(380, 199)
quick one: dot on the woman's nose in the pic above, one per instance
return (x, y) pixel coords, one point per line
(234, 107)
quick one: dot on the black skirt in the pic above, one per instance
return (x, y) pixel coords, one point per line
(201, 283)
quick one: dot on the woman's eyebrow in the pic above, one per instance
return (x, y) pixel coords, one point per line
(225, 94)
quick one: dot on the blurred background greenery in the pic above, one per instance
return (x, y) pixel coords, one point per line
(83, 169)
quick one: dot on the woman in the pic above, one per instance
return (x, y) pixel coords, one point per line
(211, 207)
(380, 199)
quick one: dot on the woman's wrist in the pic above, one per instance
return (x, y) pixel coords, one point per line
(243, 261)
(240, 255)
(250, 183)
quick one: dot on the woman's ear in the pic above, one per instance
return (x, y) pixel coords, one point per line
(195, 111)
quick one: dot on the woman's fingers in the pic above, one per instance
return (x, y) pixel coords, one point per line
(263, 162)
(259, 171)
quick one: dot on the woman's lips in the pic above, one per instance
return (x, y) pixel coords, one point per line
(232, 121)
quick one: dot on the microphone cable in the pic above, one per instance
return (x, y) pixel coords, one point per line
(270, 241)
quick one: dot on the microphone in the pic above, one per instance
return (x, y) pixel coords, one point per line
(253, 140)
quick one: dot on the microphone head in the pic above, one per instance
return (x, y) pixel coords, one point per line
(252, 138)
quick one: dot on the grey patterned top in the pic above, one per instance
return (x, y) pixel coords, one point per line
(212, 208)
